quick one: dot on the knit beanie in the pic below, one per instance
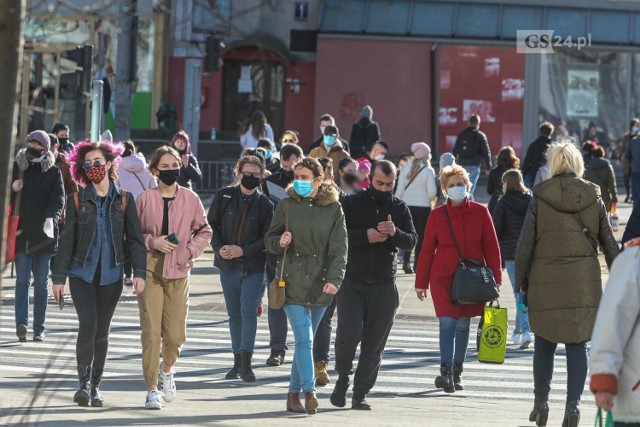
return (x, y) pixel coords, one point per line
(447, 159)
(420, 150)
(40, 137)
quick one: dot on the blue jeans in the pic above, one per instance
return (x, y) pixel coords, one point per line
(474, 174)
(304, 322)
(241, 296)
(25, 264)
(522, 319)
(454, 332)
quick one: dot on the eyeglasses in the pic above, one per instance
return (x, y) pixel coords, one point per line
(255, 174)
(87, 165)
(288, 140)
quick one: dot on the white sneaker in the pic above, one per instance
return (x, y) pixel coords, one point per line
(153, 400)
(516, 338)
(526, 340)
(167, 385)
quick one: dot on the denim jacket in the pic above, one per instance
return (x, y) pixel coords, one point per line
(80, 230)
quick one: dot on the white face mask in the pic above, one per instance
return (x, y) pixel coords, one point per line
(457, 194)
(379, 157)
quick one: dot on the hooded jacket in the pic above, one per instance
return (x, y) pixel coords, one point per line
(613, 359)
(134, 175)
(318, 251)
(601, 173)
(557, 262)
(189, 172)
(41, 197)
(336, 154)
(422, 190)
(508, 219)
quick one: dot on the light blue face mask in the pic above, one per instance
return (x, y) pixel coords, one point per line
(329, 140)
(635, 129)
(303, 188)
(457, 194)
(269, 154)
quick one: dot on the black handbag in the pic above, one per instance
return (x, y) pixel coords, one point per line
(473, 281)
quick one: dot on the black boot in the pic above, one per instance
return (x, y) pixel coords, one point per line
(445, 379)
(82, 396)
(339, 396)
(246, 373)
(406, 266)
(96, 377)
(457, 376)
(234, 373)
(571, 414)
(540, 411)
(359, 402)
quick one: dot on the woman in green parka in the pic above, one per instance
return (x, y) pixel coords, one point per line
(311, 225)
(557, 266)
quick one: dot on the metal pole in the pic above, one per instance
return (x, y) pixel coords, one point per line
(124, 75)
(96, 109)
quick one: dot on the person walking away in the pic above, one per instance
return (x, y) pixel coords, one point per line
(508, 219)
(240, 217)
(506, 160)
(254, 129)
(133, 173)
(634, 130)
(536, 154)
(378, 224)
(61, 131)
(176, 232)
(446, 159)
(615, 375)
(471, 150)
(472, 229)
(331, 146)
(190, 171)
(565, 221)
(38, 196)
(92, 252)
(308, 232)
(417, 188)
(68, 183)
(364, 133)
(600, 172)
(327, 120)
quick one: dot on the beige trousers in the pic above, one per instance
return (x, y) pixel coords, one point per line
(164, 306)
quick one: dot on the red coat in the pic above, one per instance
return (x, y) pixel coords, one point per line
(477, 239)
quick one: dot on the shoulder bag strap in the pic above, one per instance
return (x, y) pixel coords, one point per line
(413, 179)
(453, 236)
(587, 234)
(286, 228)
(140, 181)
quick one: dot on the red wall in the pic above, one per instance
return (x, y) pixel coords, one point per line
(493, 75)
(211, 111)
(176, 86)
(298, 107)
(391, 76)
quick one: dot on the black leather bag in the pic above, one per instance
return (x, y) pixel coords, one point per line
(473, 281)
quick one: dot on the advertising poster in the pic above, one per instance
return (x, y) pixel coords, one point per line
(448, 116)
(482, 108)
(491, 67)
(512, 89)
(582, 94)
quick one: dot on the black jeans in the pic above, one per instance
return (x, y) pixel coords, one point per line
(322, 340)
(577, 361)
(95, 305)
(278, 324)
(365, 316)
(419, 215)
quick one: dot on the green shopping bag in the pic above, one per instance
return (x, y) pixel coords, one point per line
(607, 422)
(492, 334)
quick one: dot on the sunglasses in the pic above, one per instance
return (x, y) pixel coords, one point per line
(88, 165)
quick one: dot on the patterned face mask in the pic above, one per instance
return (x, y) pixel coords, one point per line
(96, 173)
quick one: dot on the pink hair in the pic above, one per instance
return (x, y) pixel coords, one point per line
(110, 150)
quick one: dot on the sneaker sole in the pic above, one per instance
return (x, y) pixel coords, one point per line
(153, 407)
(168, 397)
(525, 345)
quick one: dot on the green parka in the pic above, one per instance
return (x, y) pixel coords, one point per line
(318, 250)
(557, 264)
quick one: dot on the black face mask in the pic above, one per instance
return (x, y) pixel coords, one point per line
(250, 182)
(169, 177)
(287, 174)
(379, 196)
(350, 178)
(34, 153)
(63, 141)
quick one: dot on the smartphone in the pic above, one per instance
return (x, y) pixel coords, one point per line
(173, 238)
(61, 302)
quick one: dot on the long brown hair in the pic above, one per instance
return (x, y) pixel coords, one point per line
(507, 159)
(513, 181)
(257, 123)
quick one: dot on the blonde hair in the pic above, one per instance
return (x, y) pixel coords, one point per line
(565, 157)
(417, 165)
(513, 181)
(453, 170)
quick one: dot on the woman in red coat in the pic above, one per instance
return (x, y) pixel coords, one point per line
(473, 228)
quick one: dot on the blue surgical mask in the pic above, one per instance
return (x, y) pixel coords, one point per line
(303, 188)
(635, 129)
(457, 194)
(269, 154)
(329, 140)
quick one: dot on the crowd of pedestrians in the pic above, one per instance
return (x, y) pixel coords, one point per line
(330, 227)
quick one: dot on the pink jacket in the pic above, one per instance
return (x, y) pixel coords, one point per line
(186, 215)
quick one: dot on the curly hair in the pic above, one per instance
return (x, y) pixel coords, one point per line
(110, 150)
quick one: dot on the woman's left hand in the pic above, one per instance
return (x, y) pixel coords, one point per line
(330, 288)
(138, 285)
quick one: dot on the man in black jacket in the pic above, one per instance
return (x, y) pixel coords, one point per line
(364, 133)
(471, 150)
(537, 154)
(378, 224)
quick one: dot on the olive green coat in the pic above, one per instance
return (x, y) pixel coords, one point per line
(557, 264)
(318, 251)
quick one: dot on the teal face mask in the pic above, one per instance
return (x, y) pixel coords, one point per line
(269, 154)
(329, 140)
(303, 188)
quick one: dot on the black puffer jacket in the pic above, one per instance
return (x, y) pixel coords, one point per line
(508, 219)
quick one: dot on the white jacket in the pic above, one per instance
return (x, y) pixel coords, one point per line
(615, 349)
(421, 191)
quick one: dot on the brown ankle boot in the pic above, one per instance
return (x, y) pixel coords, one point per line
(310, 402)
(294, 405)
